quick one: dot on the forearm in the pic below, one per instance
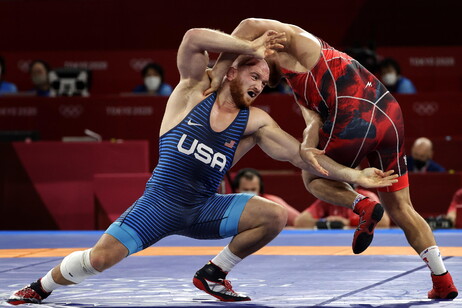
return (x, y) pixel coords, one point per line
(336, 171)
(281, 146)
(310, 140)
(248, 29)
(215, 41)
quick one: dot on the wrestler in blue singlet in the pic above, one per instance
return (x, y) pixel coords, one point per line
(180, 196)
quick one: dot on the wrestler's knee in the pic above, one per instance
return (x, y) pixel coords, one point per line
(275, 217)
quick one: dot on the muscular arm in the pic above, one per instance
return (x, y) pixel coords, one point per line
(272, 140)
(280, 145)
(192, 58)
(248, 29)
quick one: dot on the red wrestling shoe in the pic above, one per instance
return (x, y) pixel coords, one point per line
(443, 287)
(32, 293)
(211, 279)
(370, 213)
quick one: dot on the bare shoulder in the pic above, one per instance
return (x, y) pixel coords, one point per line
(182, 100)
(258, 118)
(189, 91)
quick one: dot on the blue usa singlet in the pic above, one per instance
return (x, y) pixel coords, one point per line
(180, 196)
(193, 158)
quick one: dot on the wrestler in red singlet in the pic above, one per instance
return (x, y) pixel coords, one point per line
(361, 118)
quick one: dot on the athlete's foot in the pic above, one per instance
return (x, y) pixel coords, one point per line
(443, 287)
(211, 279)
(32, 293)
(370, 213)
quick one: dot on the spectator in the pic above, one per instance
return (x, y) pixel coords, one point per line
(421, 157)
(38, 71)
(153, 76)
(249, 180)
(5, 87)
(452, 211)
(320, 212)
(390, 75)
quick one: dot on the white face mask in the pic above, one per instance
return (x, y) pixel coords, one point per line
(389, 79)
(152, 83)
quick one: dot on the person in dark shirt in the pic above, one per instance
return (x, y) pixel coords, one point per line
(421, 156)
(153, 77)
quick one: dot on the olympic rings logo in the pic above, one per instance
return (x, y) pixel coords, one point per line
(425, 108)
(71, 111)
(139, 64)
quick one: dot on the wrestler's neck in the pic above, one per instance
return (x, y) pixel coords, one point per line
(225, 102)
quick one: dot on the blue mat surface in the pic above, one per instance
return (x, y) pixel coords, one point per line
(271, 281)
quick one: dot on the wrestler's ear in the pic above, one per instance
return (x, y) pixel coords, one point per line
(231, 74)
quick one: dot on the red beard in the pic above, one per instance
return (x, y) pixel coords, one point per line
(237, 94)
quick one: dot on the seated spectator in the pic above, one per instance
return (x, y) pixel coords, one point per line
(327, 215)
(421, 156)
(5, 87)
(153, 76)
(452, 210)
(38, 71)
(390, 75)
(250, 181)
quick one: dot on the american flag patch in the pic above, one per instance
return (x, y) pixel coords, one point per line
(230, 144)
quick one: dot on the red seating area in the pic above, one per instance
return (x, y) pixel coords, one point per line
(54, 185)
(55, 182)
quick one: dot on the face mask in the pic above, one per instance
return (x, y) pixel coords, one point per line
(39, 79)
(389, 79)
(419, 164)
(152, 83)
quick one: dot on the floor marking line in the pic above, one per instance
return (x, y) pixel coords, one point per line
(375, 284)
(29, 265)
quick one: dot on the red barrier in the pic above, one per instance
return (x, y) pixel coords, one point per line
(50, 184)
(431, 194)
(114, 193)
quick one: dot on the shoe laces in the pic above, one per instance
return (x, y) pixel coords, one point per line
(228, 285)
(362, 221)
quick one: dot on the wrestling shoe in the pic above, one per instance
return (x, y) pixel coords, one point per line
(211, 279)
(32, 293)
(370, 213)
(443, 287)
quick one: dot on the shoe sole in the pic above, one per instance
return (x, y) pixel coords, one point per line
(451, 295)
(202, 285)
(16, 302)
(364, 239)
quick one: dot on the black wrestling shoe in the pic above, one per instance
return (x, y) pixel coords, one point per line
(32, 293)
(211, 279)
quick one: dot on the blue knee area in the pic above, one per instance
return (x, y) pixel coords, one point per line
(126, 235)
(230, 223)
